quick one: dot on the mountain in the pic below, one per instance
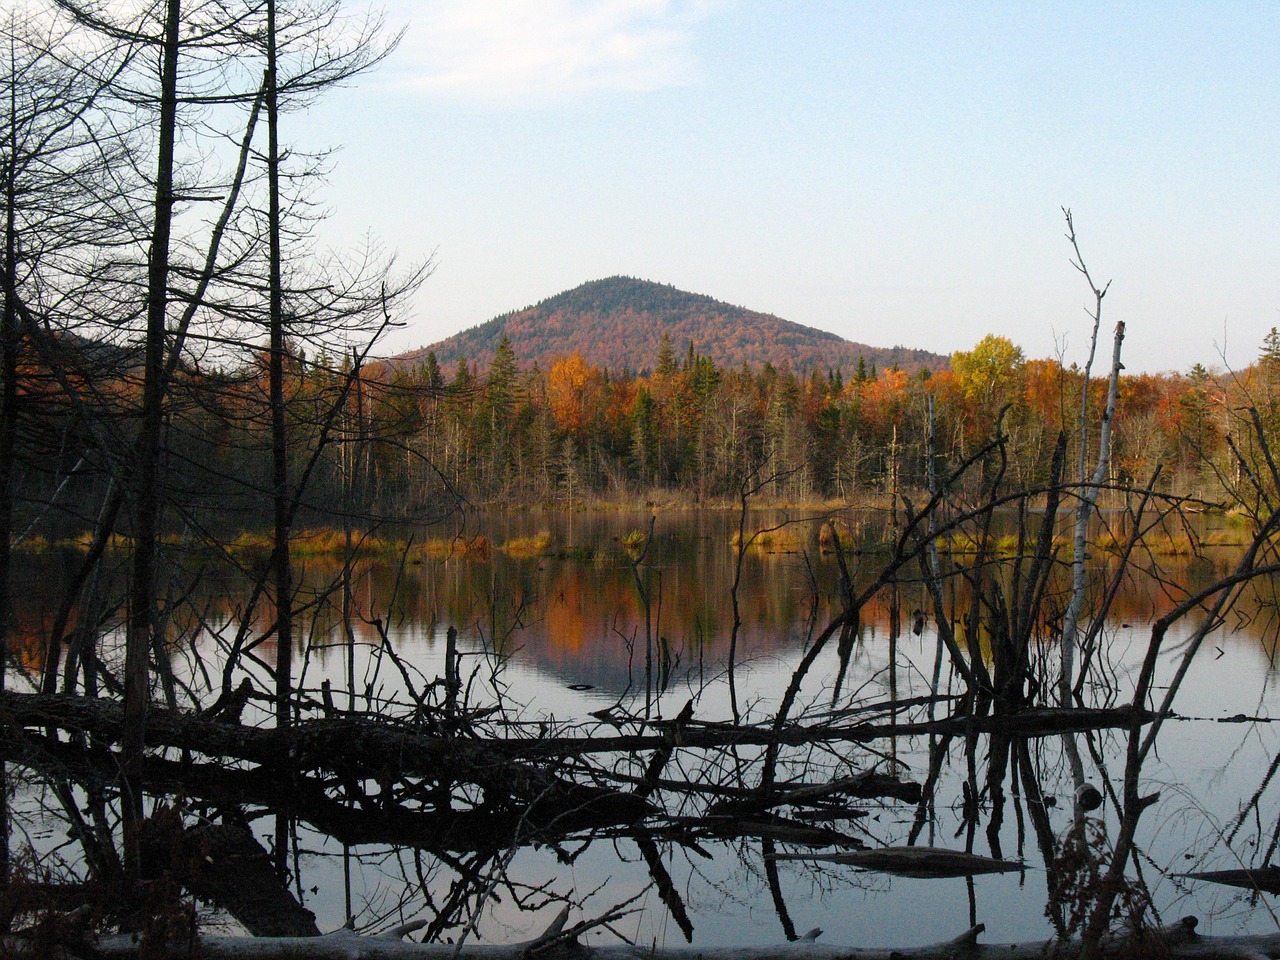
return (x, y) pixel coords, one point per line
(619, 322)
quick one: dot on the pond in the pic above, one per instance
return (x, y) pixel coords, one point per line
(610, 624)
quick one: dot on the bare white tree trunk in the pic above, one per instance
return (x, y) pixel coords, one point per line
(1089, 485)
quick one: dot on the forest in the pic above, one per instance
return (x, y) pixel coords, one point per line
(406, 441)
(181, 366)
(689, 431)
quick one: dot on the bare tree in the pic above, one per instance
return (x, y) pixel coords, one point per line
(1090, 484)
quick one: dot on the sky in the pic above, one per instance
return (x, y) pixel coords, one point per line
(892, 172)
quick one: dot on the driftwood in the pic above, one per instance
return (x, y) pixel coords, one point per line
(866, 786)
(1180, 941)
(773, 828)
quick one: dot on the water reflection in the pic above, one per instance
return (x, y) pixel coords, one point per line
(584, 640)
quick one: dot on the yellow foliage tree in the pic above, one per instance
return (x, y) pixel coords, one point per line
(570, 386)
(990, 371)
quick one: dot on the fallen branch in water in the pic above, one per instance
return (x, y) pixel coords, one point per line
(414, 749)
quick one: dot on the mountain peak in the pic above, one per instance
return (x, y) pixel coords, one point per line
(618, 322)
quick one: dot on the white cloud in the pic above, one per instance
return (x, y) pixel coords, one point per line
(517, 50)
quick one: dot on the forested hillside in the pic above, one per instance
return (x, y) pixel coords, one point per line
(618, 323)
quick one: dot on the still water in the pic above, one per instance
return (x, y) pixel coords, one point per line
(603, 623)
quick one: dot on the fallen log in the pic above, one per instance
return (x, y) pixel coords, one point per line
(869, 785)
(772, 827)
(1180, 941)
(306, 798)
(326, 742)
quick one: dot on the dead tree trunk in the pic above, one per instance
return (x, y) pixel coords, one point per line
(142, 612)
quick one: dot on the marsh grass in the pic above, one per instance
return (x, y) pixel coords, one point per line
(837, 531)
(784, 540)
(633, 539)
(331, 542)
(526, 547)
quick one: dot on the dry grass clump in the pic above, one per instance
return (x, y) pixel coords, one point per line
(1003, 545)
(1235, 537)
(634, 540)
(332, 542)
(250, 545)
(785, 540)
(1155, 542)
(522, 548)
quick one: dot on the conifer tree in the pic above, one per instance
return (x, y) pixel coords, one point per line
(666, 357)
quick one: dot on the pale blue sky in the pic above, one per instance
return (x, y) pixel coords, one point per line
(891, 172)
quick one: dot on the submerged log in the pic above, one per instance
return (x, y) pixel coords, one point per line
(310, 799)
(869, 785)
(777, 828)
(926, 863)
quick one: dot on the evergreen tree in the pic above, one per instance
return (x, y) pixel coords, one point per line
(666, 357)
(432, 378)
(464, 383)
(644, 436)
(502, 371)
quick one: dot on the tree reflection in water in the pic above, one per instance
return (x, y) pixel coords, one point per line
(459, 784)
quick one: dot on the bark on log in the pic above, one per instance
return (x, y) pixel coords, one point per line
(226, 865)
(869, 785)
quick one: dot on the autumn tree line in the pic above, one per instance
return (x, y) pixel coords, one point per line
(179, 362)
(691, 431)
(407, 442)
